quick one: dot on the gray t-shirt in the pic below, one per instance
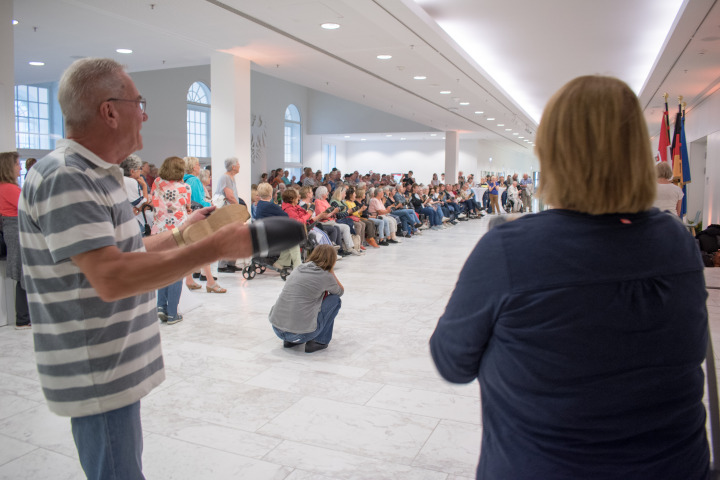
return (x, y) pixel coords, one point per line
(297, 308)
(226, 181)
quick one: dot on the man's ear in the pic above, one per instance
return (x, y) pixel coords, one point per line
(109, 114)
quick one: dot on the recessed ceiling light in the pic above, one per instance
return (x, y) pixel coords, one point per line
(516, 133)
(388, 135)
(330, 26)
(403, 138)
(363, 139)
(433, 134)
(490, 119)
(347, 136)
(123, 50)
(521, 137)
(384, 57)
(419, 77)
(508, 129)
(445, 92)
(464, 103)
(37, 64)
(479, 113)
(15, 22)
(500, 124)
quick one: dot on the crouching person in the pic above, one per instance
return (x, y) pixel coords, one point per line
(306, 309)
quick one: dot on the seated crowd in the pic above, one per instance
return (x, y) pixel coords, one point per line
(354, 212)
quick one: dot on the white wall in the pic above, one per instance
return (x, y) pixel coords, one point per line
(426, 157)
(165, 132)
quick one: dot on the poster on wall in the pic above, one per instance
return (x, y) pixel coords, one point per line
(397, 177)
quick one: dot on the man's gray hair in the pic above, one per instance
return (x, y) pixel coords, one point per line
(85, 85)
(321, 190)
(230, 163)
(132, 162)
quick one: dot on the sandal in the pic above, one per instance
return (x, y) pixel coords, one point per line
(193, 286)
(215, 289)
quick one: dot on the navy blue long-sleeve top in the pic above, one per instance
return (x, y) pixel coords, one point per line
(587, 335)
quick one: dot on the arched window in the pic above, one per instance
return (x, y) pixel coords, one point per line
(198, 120)
(292, 136)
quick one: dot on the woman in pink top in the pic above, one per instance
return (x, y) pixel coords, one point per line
(9, 196)
(171, 199)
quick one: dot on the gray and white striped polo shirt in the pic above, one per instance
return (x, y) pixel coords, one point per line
(93, 356)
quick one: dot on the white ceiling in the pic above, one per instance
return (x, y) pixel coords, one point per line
(529, 48)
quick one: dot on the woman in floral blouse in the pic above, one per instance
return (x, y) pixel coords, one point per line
(171, 199)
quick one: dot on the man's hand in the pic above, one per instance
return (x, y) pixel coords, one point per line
(198, 215)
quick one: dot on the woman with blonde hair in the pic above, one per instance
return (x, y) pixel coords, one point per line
(197, 200)
(669, 196)
(338, 200)
(589, 346)
(306, 309)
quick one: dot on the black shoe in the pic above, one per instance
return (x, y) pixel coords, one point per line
(228, 269)
(203, 278)
(384, 243)
(313, 346)
(408, 235)
(287, 344)
(344, 253)
(196, 275)
(390, 240)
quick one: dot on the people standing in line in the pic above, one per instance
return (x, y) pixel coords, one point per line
(9, 196)
(590, 365)
(91, 277)
(306, 309)
(669, 196)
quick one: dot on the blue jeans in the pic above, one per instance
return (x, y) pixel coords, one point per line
(169, 297)
(110, 444)
(407, 219)
(325, 323)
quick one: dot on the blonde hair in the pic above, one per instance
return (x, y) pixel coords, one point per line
(323, 256)
(190, 163)
(592, 135)
(265, 190)
(664, 170)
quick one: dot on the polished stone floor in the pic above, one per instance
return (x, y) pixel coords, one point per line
(236, 405)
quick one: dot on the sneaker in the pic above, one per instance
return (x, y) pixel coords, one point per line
(176, 319)
(445, 219)
(436, 227)
(355, 252)
(343, 253)
(418, 233)
(228, 269)
(390, 240)
(424, 226)
(462, 215)
(24, 326)
(383, 243)
(162, 315)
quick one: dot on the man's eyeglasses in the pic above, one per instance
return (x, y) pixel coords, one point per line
(142, 103)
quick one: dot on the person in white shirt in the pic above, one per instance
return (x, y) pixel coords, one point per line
(669, 197)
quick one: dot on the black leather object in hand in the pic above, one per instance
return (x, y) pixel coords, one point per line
(272, 235)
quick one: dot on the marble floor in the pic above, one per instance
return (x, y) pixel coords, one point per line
(236, 405)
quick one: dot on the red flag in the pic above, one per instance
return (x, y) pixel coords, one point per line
(664, 143)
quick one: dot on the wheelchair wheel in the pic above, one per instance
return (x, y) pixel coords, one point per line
(248, 273)
(263, 268)
(258, 268)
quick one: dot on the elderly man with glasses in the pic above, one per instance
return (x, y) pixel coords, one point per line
(91, 277)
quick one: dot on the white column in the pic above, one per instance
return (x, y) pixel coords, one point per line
(7, 79)
(230, 118)
(711, 207)
(7, 137)
(452, 155)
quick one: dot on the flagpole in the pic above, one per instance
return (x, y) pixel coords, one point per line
(667, 115)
